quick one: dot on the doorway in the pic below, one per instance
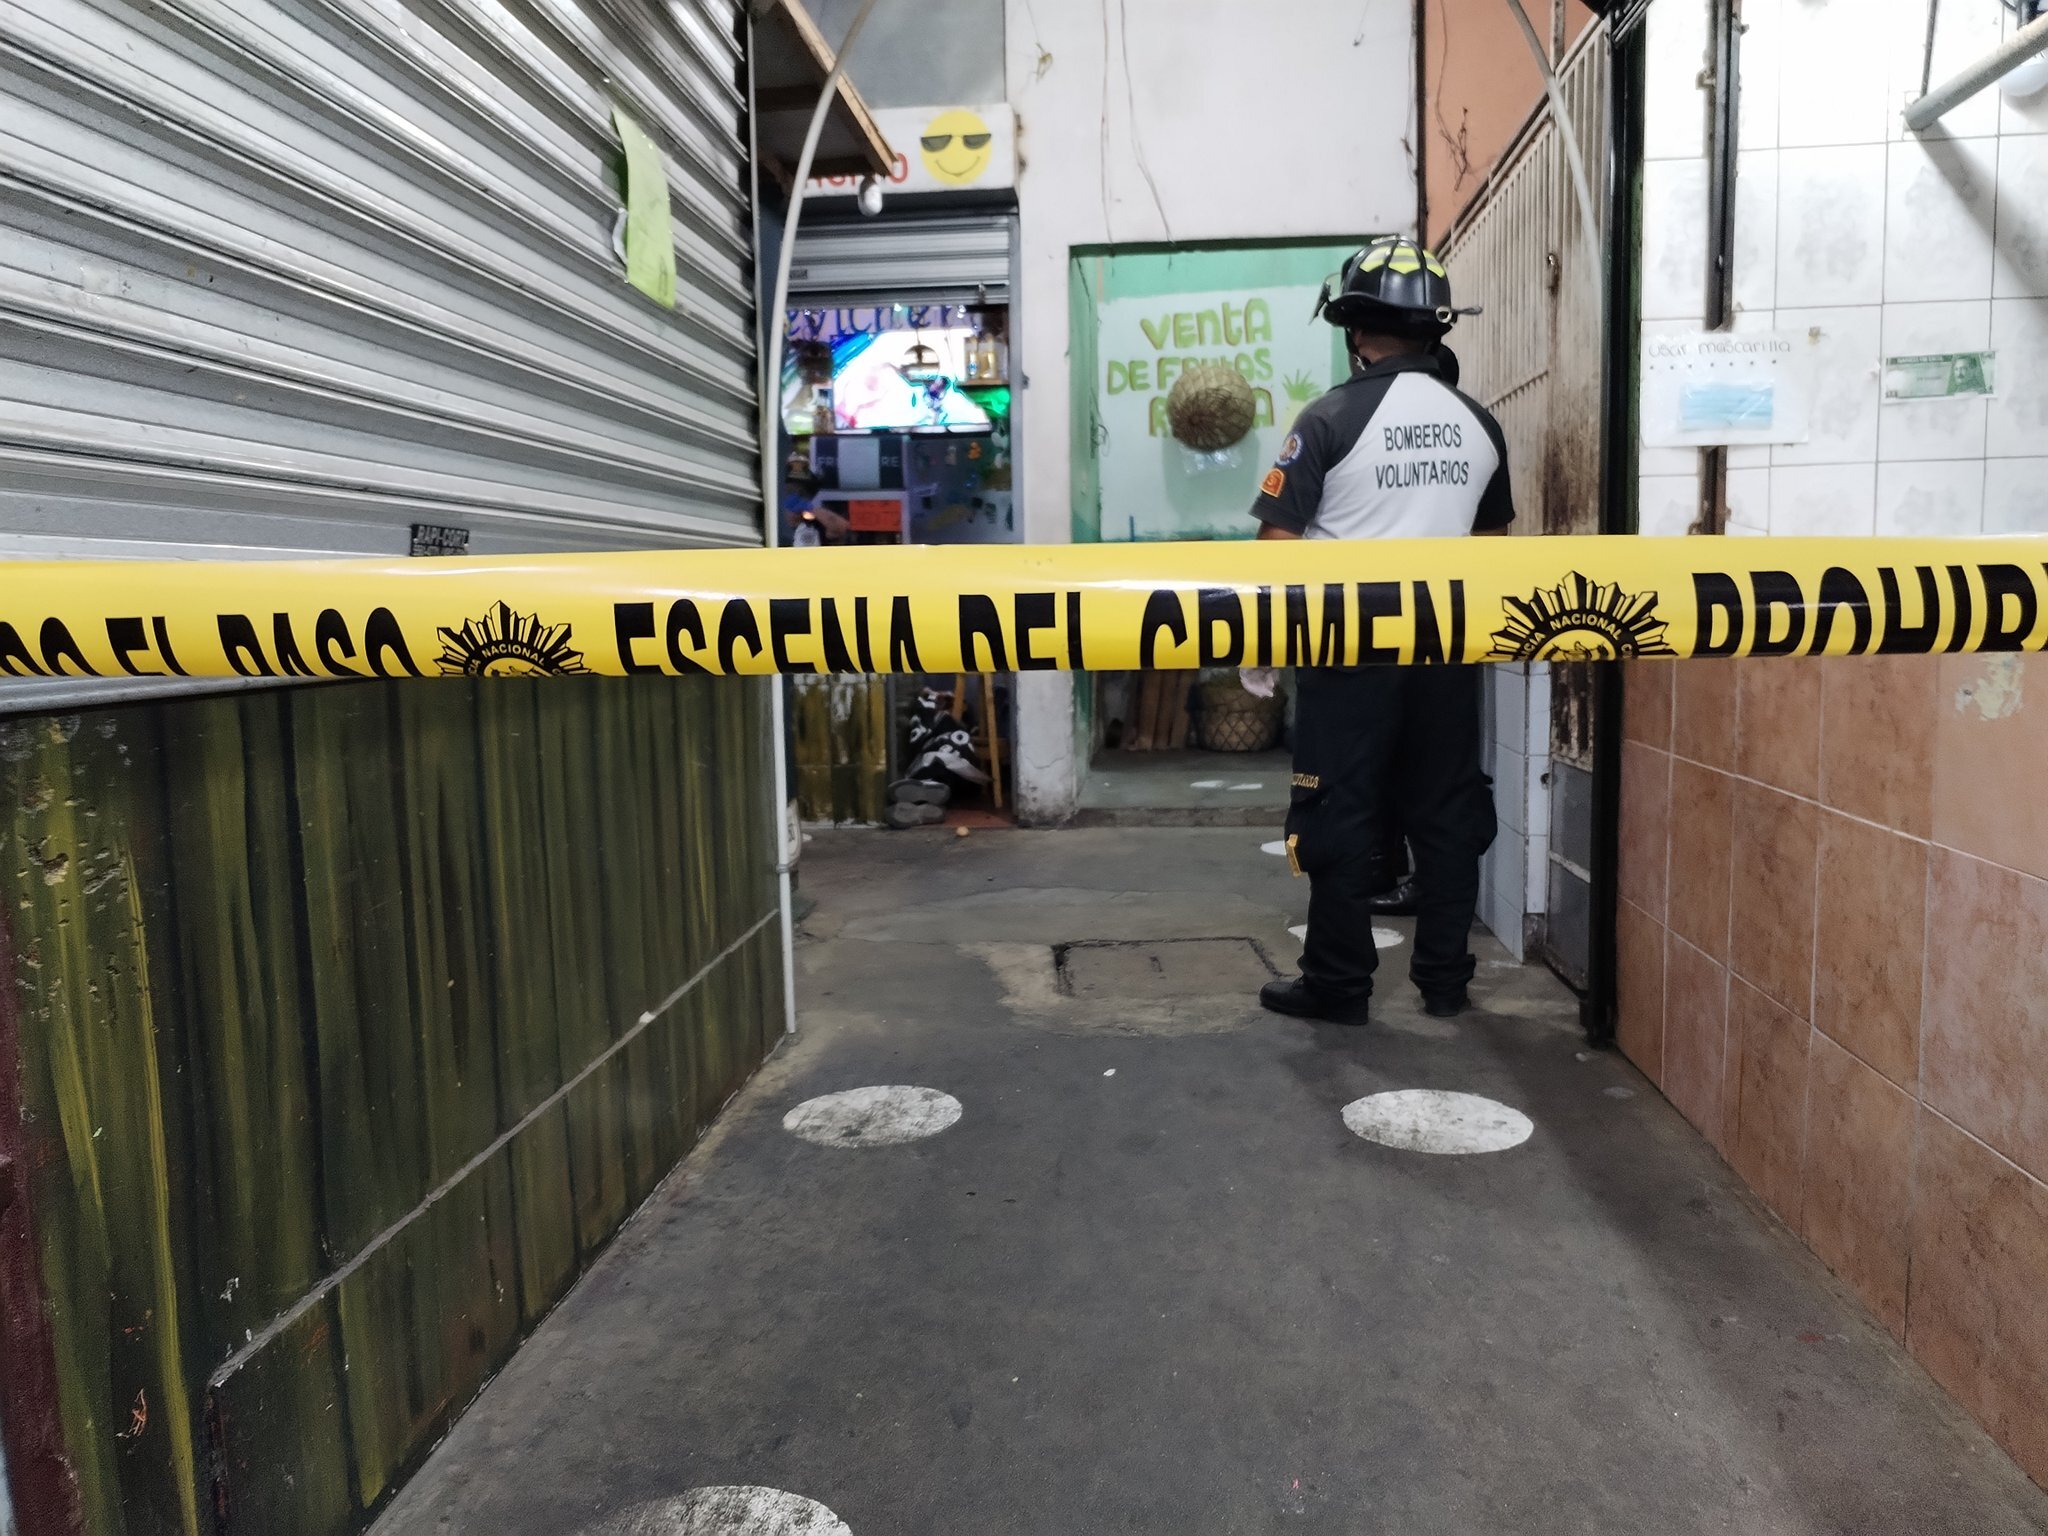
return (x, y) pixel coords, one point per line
(897, 425)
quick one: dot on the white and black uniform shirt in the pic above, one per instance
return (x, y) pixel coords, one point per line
(1391, 453)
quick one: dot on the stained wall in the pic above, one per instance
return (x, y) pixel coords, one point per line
(1834, 874)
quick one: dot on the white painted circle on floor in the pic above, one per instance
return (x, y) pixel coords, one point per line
(1382, 938)
(1278, 846)
(872, 1117)
(733, 1511)
(1437, 1120)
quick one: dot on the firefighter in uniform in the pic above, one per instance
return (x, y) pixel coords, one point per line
(1394, 881)
(1394, 452)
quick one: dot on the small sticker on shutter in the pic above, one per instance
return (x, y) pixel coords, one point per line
(435, 539)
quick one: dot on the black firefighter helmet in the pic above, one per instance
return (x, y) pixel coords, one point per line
(1393, 286)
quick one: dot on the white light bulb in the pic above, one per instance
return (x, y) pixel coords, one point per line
(2025, 80)
(871, 196)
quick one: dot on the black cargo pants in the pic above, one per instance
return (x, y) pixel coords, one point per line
(1376, 746)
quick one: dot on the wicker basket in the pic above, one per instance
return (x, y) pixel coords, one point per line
(1236, 721)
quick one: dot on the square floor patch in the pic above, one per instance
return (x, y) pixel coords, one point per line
(1139, 968)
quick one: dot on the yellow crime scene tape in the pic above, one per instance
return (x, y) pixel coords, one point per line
(1024, 607)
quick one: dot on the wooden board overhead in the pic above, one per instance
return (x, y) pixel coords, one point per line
(791, 61)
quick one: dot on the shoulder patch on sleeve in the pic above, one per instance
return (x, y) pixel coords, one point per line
(1289, 450)
(1274, 483)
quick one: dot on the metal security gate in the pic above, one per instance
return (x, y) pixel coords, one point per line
(953, 260)
(1536, 360)
(296, 275)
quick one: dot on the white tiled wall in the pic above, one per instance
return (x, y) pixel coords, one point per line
(1884, 242)
(1516, 736)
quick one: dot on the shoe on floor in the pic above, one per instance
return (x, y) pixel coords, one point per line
(1398, 902)
(1447, 1005)
(914, 813)
(919, 792)
(1295, 998)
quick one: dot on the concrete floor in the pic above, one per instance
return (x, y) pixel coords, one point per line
(1213, 789)
(1149, 1282)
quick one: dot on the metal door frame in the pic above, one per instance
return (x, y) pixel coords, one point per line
(1540, 362)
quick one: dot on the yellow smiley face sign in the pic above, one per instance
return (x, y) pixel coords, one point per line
(955, 147)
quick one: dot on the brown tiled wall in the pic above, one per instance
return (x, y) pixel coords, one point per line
(1833, 958)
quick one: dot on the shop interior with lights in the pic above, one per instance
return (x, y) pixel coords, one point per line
(897, 429)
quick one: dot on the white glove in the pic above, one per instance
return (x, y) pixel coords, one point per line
(1259, 681)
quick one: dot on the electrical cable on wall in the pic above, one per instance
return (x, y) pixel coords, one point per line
(1123, 16)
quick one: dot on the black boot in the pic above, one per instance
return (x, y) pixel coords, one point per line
(1397, 902)
(1446, 1005)
(1297, 999)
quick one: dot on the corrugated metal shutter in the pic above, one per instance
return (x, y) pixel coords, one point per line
(283, 276)
(932, 260)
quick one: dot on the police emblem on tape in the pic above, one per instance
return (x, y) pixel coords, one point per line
(507, 644)
(1580, 619)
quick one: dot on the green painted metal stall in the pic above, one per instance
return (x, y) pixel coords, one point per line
(1138, 317)
(346, 1024)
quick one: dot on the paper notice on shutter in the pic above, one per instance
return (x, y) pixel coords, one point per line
(650, 235)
